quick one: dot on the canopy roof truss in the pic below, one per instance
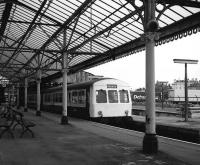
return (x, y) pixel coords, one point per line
(31, 32)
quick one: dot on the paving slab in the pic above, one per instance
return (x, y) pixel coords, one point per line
(56, 144)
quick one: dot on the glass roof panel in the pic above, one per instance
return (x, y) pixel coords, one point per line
(34, 29)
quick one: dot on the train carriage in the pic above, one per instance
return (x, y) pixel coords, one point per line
(103, 97)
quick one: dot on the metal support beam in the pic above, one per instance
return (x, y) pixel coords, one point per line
(186, 3)
(105, 30)
(5, 17)
(168, 32)
(80, 10)
(100, 33)
(7, 1)
(36, 23)
(28, 50)
(58, 23)
(87, 53)
(69, 41)
(26, 33)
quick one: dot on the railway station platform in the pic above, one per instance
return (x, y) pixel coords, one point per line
(170, 125)
(170, 120)
(78, 143)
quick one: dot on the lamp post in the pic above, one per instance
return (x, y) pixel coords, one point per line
(186, 61)
(162, 95)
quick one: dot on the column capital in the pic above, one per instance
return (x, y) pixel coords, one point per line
(38, 80)
(150, 36)
(18, 85)
(65, 70)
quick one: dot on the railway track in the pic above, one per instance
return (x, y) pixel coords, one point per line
(185, 134)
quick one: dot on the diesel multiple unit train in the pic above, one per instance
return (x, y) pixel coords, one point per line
(100, 98)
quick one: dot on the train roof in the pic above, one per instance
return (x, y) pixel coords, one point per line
(83, 84)
(88, 83)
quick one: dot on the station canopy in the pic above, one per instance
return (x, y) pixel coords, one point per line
(97, 31)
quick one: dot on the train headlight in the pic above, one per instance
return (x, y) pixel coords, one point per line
(126, 112)
(100, 113)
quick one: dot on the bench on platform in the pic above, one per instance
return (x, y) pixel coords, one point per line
(24, 123)
(11, 118)
(7, 127)
(6, 122)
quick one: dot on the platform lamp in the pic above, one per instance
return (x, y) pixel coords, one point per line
(186, 61)
(162, 97)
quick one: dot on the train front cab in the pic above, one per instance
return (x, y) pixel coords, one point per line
(110, 99)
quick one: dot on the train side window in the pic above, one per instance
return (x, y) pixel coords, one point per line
(113, 96)
(81, 97)
(47, 98)
(59, 97)
(101, 96)
(69, 96)
(54, 97)
(123, 94)
(74, 97)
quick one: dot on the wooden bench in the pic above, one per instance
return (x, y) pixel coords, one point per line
(6, 122)
(26, 127)
(24, 123)
(7, 127)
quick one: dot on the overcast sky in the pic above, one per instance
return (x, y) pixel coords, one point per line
(132, 68)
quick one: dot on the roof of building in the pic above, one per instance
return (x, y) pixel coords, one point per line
(97, 31)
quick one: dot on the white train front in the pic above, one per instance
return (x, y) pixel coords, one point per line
(104, 97)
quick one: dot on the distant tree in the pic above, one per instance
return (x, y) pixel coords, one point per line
(162, 88)
(140, 89)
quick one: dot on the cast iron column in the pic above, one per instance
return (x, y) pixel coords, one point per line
(150, 142)
(64, 119)
(25, 94)
(9, 95)
(38, 112)
(186, 94)
(18, 87)
(13, 96)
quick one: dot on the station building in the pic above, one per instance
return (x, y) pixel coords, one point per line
(177, 93)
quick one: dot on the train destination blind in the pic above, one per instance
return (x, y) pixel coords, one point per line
(111, 86)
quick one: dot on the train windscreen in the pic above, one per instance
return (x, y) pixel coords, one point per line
(113, 96)
(101, 96)
(123, 94)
